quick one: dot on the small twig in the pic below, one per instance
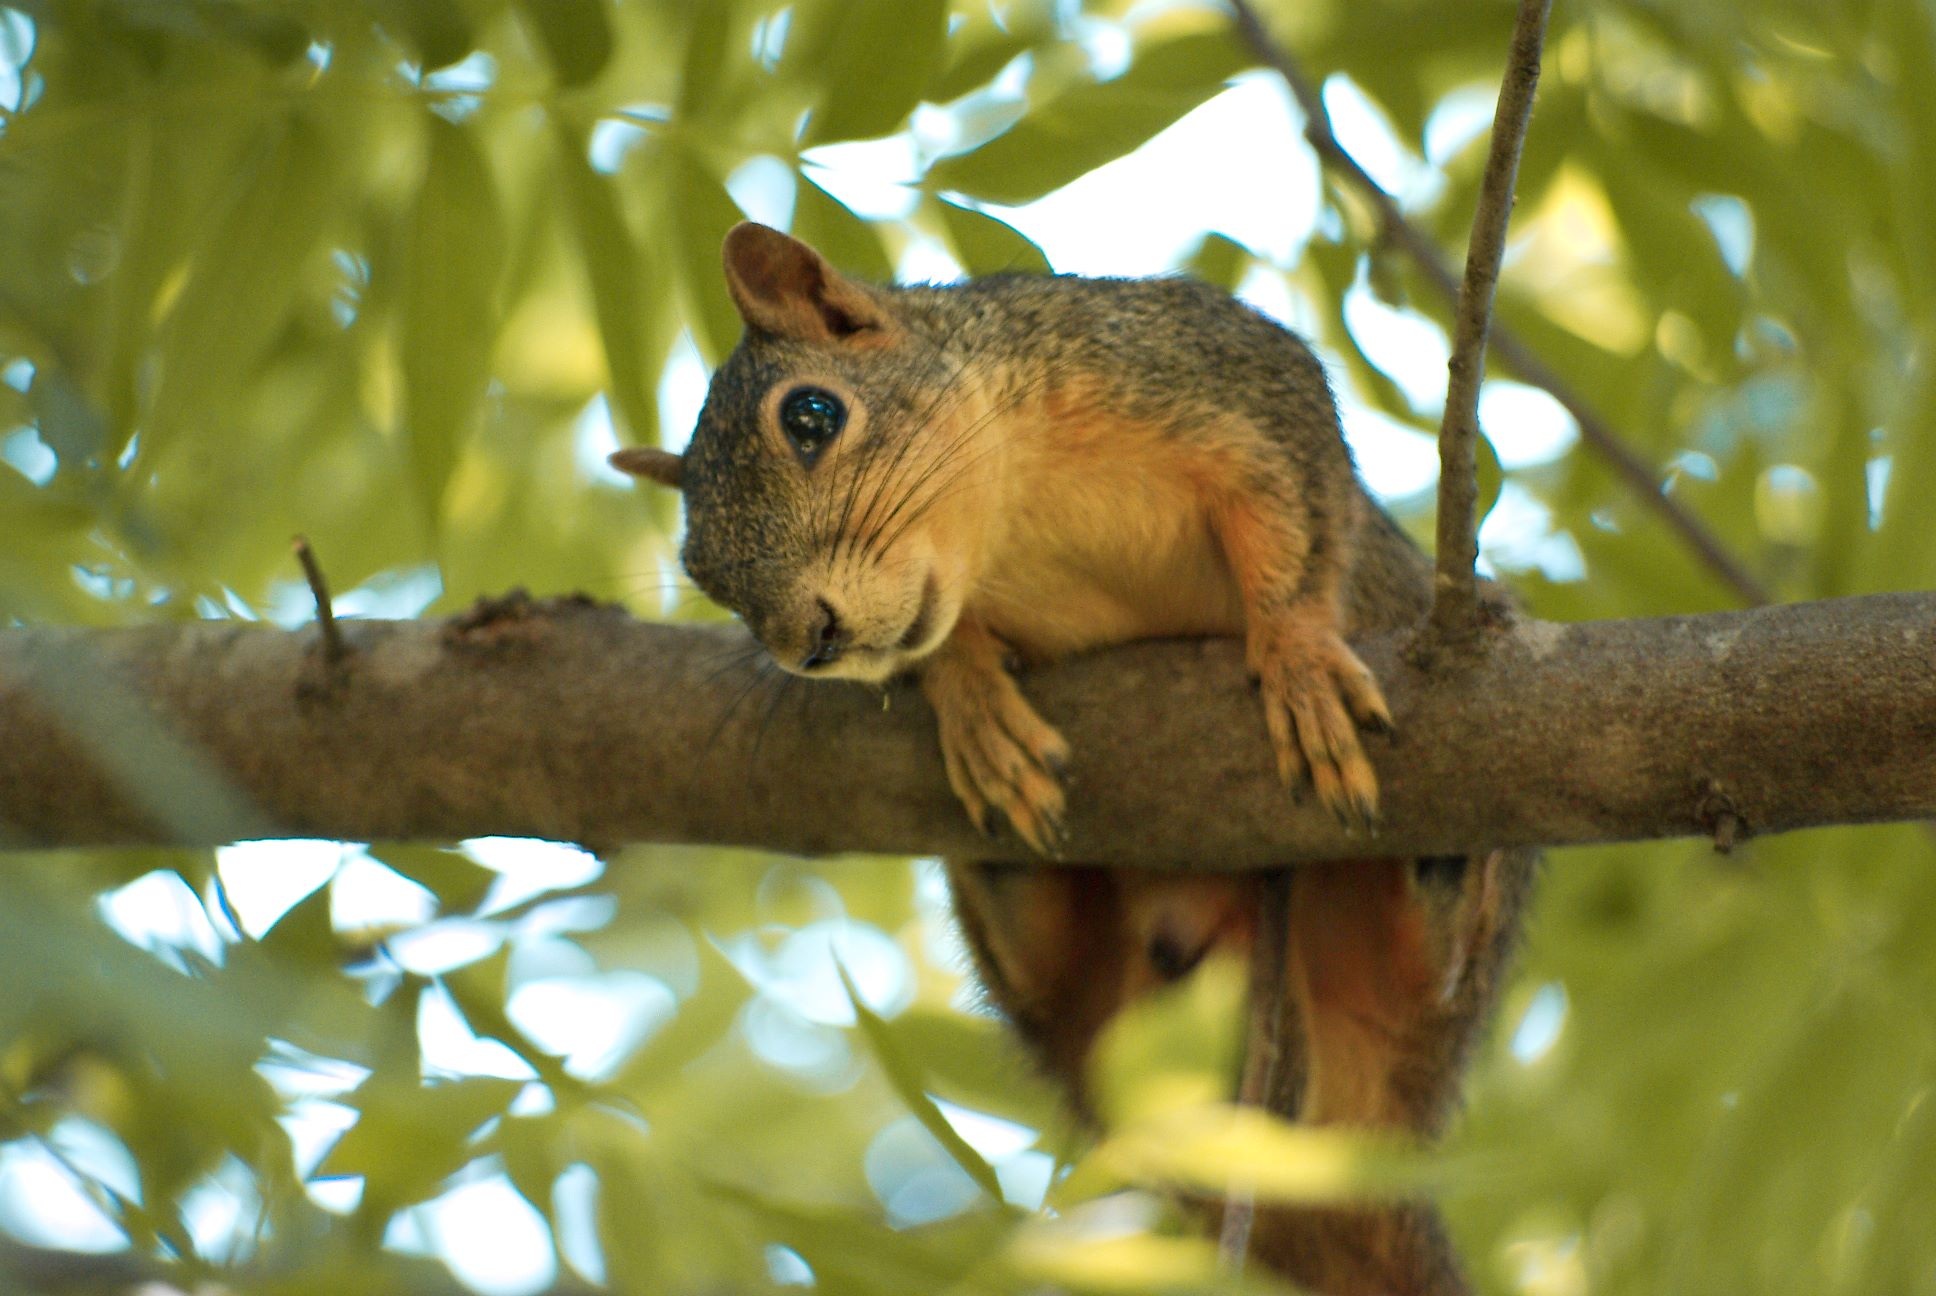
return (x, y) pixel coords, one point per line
(1634, 470)
(334, 649)
(1723, 817)
(1263, 1044)
(1455, 603)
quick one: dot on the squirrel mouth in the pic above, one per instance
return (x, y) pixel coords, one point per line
(918, 628)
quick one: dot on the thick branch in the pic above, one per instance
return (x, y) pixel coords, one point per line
(1627, 463)
(1455, 601)
(574, 722)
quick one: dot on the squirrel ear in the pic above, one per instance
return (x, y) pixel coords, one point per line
(783, 287)
(662, 466)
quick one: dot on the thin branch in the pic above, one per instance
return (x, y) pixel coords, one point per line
(1628, 464)
(577, 723)
(1264, 1045)
(1455, 600)
(334, 649)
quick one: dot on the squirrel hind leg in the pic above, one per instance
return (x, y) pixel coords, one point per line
(1393, 963)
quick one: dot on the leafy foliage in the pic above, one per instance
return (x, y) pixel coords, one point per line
(390, 272)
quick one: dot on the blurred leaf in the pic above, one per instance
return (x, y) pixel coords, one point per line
(450, 302)
(979, 46)
(243, 279)
(905, 1075)
(1491, 476)
(1218, 1149)
(409, 1136)
(699, 212)
(872, 58)
(703, 71)
(849, 242)
(1082, 128)
(850, 1252)
(480, 991)
(70, 427)
(1221, 261)
(577, 36)
(305, 936)
(1177, 1048)
(618, 276)
(440, 31)
(459, 882)
(986, 245)
(972, 1061)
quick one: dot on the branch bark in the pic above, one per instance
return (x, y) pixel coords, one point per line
(570, 721)
(1455, 599)
(1627, 463)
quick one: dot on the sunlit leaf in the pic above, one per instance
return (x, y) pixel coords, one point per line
(615, 268)
(985, 244)
(905, 1075)
(243, 279)
(842, 237)
(577, 36)
(450, 302)
(440, 31)
(699, 211)
(410, 1136)
(871, 58)
(1089, 125)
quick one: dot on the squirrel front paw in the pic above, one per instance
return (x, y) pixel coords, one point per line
(1316, 693)
(1004, 761)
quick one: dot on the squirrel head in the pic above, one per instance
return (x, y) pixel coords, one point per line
(824, 499)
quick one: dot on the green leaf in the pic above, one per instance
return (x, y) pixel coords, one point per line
(409, 1136)
(459, 882)
(843, 238)
(243, 281)
(576, 35)
(1491, 477)
(705, 67)
(441, 31)
(701, 1022)
(629, 321)
(457, 247)
(480, 991)
(700, 211)
(1088, 125)
(986, 245)
(71, 427)
(1221, 261)
(904, 1073)
(852, 1252)
(872, 58)
(979, 47)
(305, 936)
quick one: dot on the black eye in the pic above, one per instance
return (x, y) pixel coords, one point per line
(811, 417)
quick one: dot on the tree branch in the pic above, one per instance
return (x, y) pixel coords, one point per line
(1455, 598)
(1628, 464)
(574, 722)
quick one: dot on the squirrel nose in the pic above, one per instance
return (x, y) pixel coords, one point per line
(827, 637)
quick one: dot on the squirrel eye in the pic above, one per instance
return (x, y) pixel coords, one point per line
(811, 417)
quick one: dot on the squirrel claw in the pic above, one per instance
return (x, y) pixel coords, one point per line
(1004, 761)
(1316, 695)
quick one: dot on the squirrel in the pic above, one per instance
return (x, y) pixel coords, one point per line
(948, 480)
